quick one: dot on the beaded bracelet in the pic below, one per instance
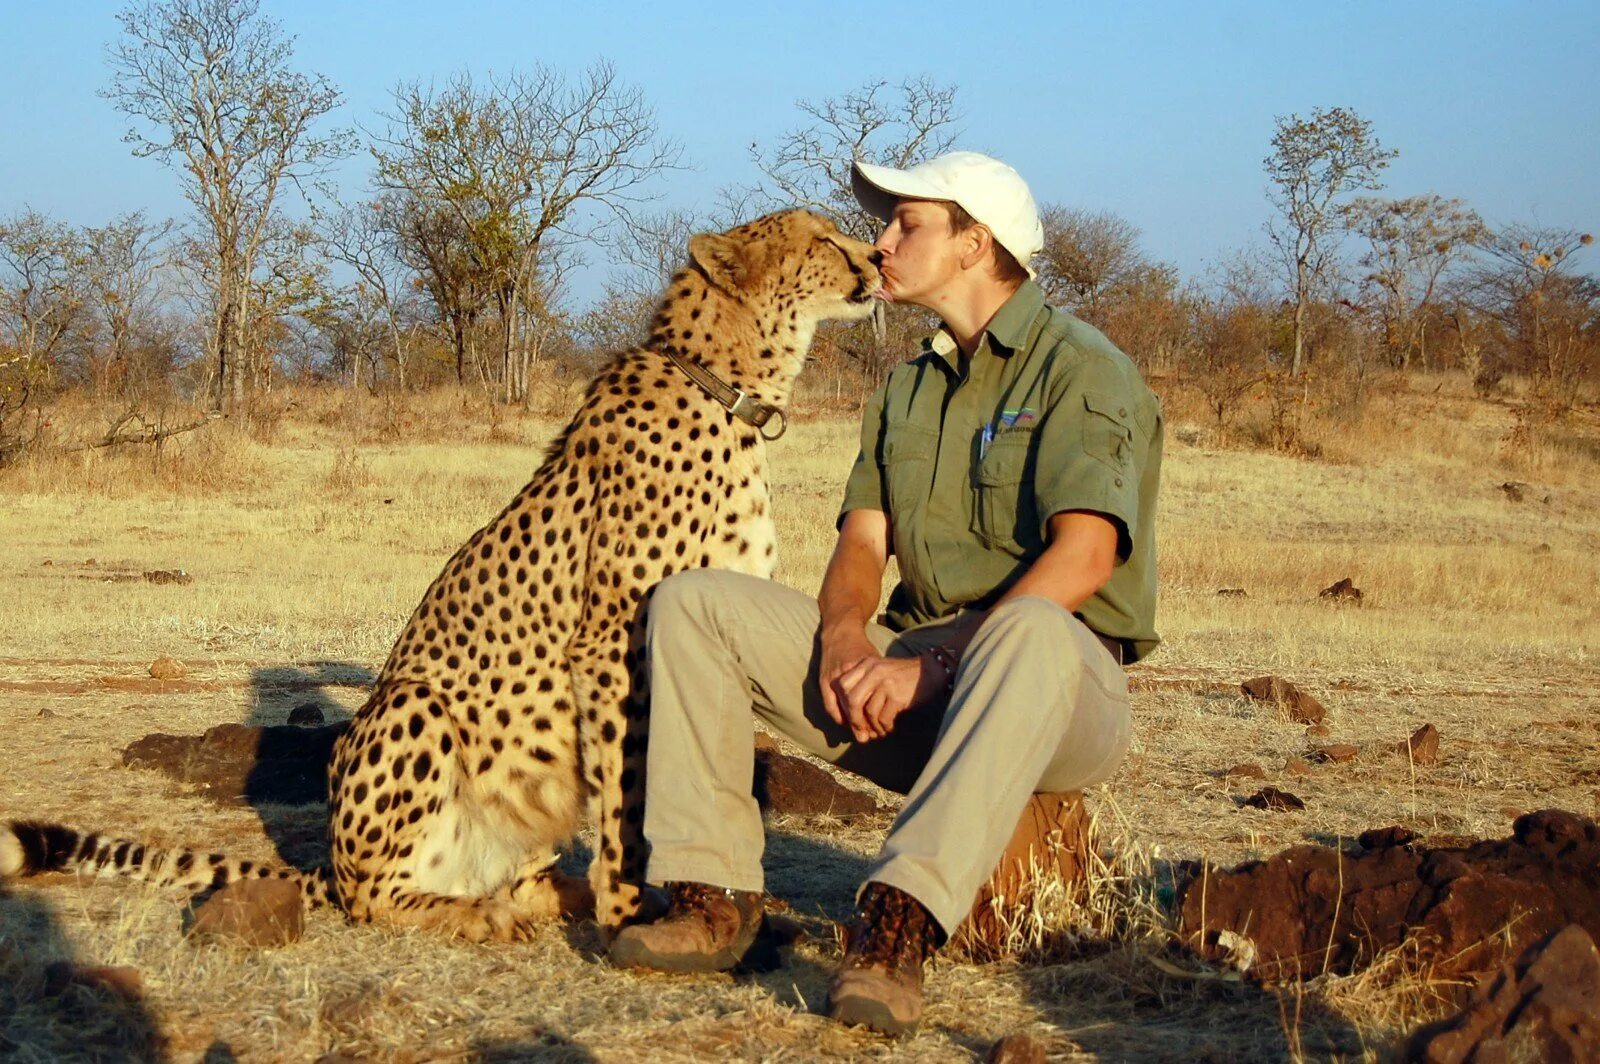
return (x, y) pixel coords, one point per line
(947, 662)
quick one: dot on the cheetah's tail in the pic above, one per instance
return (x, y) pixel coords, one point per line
(29, 847)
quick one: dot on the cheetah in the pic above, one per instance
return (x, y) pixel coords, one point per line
(514, 697)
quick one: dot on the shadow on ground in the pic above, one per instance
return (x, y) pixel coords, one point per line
(54, 1006)
(288, 784)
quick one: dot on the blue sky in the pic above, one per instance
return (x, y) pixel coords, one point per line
(1158, 112)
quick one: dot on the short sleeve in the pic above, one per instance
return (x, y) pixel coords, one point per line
(864, 490)
(1089, 452)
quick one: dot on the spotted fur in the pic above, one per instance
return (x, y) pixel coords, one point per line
(514, 695)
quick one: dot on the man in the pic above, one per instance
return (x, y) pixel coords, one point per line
(1012, 470)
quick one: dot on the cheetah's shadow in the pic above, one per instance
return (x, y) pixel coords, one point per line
(287, 781)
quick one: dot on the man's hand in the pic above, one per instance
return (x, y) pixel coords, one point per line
(842, 654)
(875, 691)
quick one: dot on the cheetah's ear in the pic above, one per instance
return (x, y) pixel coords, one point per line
(724, 261)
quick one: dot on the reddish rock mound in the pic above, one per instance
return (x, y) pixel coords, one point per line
(794, 786)
(1547, 1008)
(1465, 908)
(1289, 699)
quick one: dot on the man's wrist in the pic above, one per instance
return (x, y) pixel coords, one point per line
(945, 663)
(848, 626)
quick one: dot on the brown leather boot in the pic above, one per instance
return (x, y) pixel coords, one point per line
(879, 982)
(705, 929)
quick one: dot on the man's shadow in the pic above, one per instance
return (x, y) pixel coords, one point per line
(54, 1007)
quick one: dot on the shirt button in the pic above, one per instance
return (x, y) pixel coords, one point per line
(1119, 482)
(1123, 412)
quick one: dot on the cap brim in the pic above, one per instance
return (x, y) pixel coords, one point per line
(878, 188)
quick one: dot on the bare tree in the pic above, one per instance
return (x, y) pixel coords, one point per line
(1315, 161)
(897, 126)
(1411, 242)
(1231, 326)
(42, 291)
(41, 309)
(359, 239)
(1086, 255)
(1549, 311)
(212, 85)
(510, 170)
(124, 262)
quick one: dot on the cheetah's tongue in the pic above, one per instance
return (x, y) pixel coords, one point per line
(880, 322)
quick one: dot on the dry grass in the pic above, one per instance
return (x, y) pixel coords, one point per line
(308, 551)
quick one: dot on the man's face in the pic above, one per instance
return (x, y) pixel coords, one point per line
(920, 254)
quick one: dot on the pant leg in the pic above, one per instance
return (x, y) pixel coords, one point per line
(1038, 704)
(723, 647)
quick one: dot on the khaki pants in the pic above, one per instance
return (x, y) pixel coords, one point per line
(1039, 705)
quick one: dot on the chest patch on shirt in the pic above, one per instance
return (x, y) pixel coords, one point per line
(1015, 419)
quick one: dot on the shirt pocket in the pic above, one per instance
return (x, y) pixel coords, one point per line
(1108, 430)
(1004, 513)
(908, 453)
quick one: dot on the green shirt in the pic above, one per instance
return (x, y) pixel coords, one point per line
(1049, 416)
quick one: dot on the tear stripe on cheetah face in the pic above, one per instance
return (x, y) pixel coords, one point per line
(515, 694)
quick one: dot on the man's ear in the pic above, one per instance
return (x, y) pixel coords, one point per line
(979, 241)
(724, 261)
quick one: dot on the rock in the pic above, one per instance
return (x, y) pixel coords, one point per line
(1423, 746)
(165, 668)
(1514, 490)
(307, 714)
(237, 762)
(1335, 753)
(1300, 707)
(1016, 1048)
(1051, 839)
(1378, 838)
(1232, 592)
(121, 981)
(255, 912)
(1297, 766)
(1189, 435)
(1272, 798)
(167, 576)
(1546, 1008)
(1318, 731)
(1248, 771)
(1458, 910)
(789, 785)
(1341, 591)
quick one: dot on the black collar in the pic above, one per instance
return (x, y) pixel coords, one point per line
(741, 405)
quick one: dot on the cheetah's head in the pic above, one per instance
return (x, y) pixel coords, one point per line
(793, 261)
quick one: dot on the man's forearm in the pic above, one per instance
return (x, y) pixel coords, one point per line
(850, 589)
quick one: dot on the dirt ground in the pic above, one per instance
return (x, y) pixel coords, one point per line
(1479, 616)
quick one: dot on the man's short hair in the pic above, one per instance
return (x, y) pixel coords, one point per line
(1005, 266)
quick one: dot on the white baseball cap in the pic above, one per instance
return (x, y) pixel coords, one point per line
(986, 188)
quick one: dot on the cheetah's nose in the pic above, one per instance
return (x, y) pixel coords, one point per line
(875, 257)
